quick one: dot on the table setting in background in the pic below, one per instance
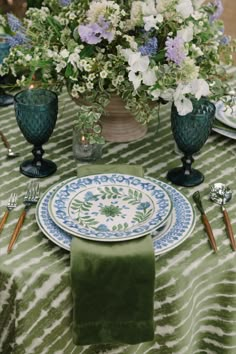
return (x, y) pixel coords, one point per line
(108, 244)
(225, 123)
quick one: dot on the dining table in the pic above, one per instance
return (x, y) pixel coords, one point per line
(195, 287)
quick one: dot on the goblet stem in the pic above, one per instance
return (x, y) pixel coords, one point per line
(187, 164)
(38, 155)
(185, 176)
(38, 167)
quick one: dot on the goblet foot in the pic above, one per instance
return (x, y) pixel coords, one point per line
(179, 177)
(6, 99)
(33, 169)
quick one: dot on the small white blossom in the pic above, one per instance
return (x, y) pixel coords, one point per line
(103, 74)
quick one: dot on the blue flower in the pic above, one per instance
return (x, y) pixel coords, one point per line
(18, 39)
(143, 206)
(102, 227)
(14, 23)
(64, 2)
(90, 196)
(225, 40)
(218, 10)
(150, 47)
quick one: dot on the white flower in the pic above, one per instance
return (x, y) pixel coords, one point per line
(149, 8)
(155, 93)
(64, 53)
(74, 59)
(28, 57)
(135, 78)
(138, 62)
(149, 77)
(197, 3)
(60, 66)
(151, 21)
(185, 8)
(51, 53)
(103, 74)
(167, 95)
(199, 88)
(136, 13)
(186, 33)
(183, 105)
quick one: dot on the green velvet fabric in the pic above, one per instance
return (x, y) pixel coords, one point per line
(112, 284)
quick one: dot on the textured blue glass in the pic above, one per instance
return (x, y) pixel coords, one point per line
(192, 130)
(36, 114)
(4, 48)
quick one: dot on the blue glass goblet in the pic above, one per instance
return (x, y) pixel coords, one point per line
(36, 114)
(190, 133)
(5, 99)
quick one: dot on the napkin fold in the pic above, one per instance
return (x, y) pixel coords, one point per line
(112, 283)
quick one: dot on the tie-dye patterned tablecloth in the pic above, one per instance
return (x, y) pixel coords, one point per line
(195, 291)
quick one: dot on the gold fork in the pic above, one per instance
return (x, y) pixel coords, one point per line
(10, 205)
(30, 199)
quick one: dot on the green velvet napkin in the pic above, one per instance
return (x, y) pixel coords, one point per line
(112, 283)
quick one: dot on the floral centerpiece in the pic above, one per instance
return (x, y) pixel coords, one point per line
(150, 50)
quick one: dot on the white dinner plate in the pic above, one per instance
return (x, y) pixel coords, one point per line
(227, 133)
(110, 207)
(175, 231)
(226, 115)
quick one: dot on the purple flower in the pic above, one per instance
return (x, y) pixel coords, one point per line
(14, 23)
(175, 50)
(225, 40)
(94, 33)
(150, 47)
(18, 39)
(64, 2)
(219, 10)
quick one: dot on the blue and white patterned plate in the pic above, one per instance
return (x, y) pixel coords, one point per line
(110, 207)
(177, 229)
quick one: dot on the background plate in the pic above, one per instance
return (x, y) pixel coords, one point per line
(226, 115)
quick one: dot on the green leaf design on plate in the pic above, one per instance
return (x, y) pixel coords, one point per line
(81, 206)
(142, 216)
(110, 193)
(120, 227)
(133, 197)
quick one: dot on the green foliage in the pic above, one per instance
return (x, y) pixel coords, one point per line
(88, 124)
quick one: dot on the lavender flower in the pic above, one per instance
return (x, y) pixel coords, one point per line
(18, 39)
(219, 10)
(64, 2)
(175, 50)
(150, 47)
(93, 33)
(14, 23)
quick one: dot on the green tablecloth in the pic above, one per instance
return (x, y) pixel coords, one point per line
(195, 290)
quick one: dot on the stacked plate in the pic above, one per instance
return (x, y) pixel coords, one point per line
(225, 120)
(115, 207)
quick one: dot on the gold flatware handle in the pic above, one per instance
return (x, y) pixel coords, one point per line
(229, 229)
(16, 231)
(4, 140)
(209, 232)
(4, 219)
